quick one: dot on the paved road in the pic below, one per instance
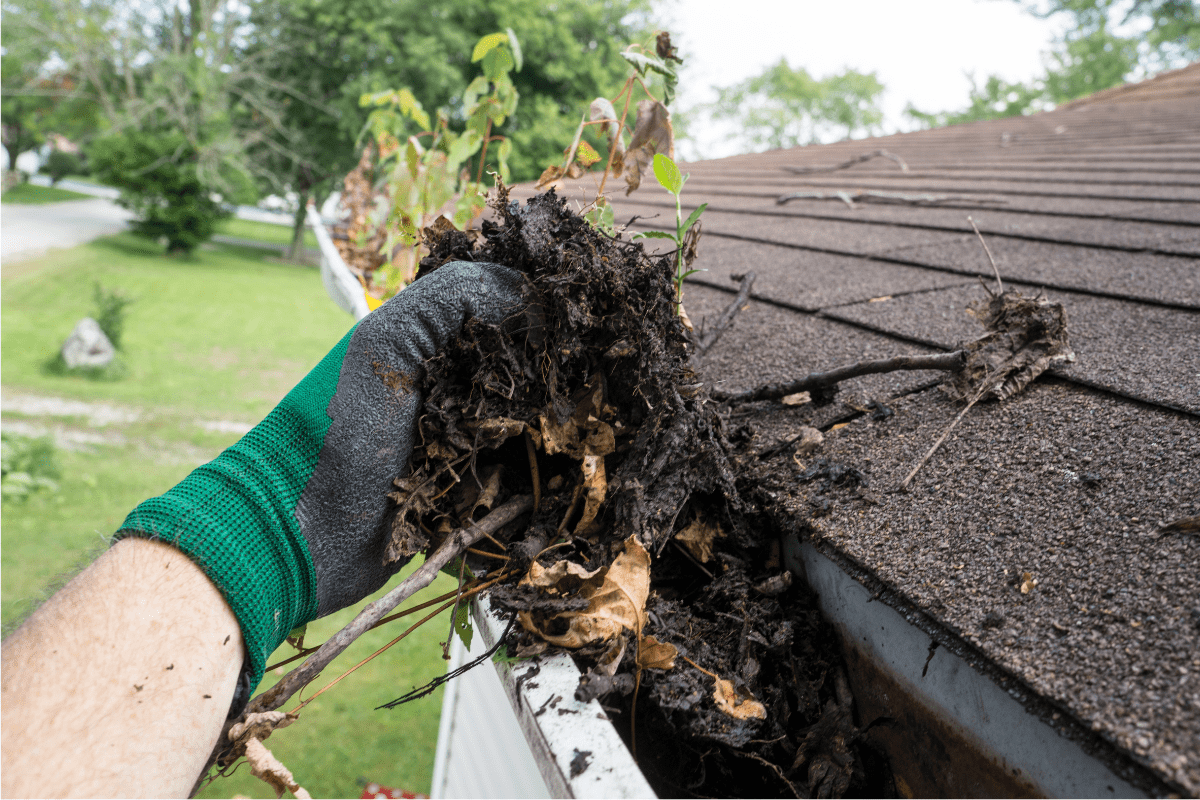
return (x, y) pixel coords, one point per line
(29, 230)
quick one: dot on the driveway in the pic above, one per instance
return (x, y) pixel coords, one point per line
(30, 230)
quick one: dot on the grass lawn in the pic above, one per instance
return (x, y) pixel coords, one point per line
(28, 194)
(220, 337)
(263, 232)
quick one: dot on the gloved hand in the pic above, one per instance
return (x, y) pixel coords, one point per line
(291, 522)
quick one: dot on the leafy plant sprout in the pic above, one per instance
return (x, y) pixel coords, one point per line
(425, 182)
(668, 175)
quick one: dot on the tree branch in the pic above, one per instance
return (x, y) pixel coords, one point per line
(851, 163)
(818, 380)
(710, 338)
(454, 546)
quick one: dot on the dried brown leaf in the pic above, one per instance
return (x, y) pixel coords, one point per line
(494, 432)
(600, 109)
(654, 654)
(652, 134)
(266, 767)
(595, 485)
(798, 399)
(414, 501)
(698, 538)
(734, 704)
(1026, 335)
(617, 603)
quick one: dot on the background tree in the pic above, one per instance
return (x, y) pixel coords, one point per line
(785, 107)
(37, 97)
(1091, 56)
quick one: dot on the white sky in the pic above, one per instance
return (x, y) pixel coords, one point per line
(920, 49)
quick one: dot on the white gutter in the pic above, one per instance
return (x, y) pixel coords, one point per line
(340, 284)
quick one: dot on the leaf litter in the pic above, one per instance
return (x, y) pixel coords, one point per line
(587, 400)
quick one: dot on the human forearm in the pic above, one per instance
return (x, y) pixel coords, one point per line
(151, 653)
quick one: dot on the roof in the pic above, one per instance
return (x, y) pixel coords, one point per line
(1096, 204)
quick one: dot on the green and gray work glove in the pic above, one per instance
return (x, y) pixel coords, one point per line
(291, 522)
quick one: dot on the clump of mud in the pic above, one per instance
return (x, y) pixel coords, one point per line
(640, 557)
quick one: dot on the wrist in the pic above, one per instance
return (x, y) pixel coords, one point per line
(234, 517)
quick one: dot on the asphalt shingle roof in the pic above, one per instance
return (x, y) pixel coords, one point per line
(1098, 204)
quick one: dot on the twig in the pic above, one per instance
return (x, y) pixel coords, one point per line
(454, 545)
(851, 163)
(533, 470)
(870, 195)
(991, 260)
(942, 438)
(726, 319)
(950, 362)
(791, 786)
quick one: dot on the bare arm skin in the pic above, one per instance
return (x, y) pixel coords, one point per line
(120, 683)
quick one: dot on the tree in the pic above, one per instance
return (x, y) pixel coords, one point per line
(35, 99)
(995, 99)
(784, 107)
(1090, 57)
(327, 53)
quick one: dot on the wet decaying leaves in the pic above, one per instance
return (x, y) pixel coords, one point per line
(1026, 335)
(640, 557)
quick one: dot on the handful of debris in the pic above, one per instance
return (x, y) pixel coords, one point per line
(639, 556)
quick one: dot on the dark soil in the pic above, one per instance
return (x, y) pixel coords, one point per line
(587, 399)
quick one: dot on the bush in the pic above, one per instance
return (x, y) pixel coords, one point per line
(159, 181)
(110, 313)
(27, 466)
(61, 164)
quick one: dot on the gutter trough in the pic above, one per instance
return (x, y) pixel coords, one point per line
(949, 723)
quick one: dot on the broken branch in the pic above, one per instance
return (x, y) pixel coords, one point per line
(856, 160)
(710, 338)
(950, 362)
(454, 546)
(875, 195)
(991, 260)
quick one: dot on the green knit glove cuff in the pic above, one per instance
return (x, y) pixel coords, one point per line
(235, 515)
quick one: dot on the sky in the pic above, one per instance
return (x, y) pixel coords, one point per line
(921, 50)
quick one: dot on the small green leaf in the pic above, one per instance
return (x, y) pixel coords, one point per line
(497, 63)
(453, 568)
(501, 656)
(462, 625)
(668, 174)
(516, 48)
(656, 235)
(463, 148)
(691, 220)
(644, 63)
(487, 44)
(412, 156)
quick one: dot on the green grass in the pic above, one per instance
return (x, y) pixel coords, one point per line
(222, 336)
(28, 194)
(225, 333)
(263, 232)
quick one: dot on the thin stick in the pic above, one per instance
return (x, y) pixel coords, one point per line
(942, 438)
(384, 621)
(485, 553)
(856, 160)
(991, 260)
(345, 674)
(817, 380)
(612, 150)
(731, 311)
(533, 470)
(454, 545)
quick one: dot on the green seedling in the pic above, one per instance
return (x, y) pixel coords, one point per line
(671, 179)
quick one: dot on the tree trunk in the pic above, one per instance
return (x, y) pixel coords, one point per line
(296, 248)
